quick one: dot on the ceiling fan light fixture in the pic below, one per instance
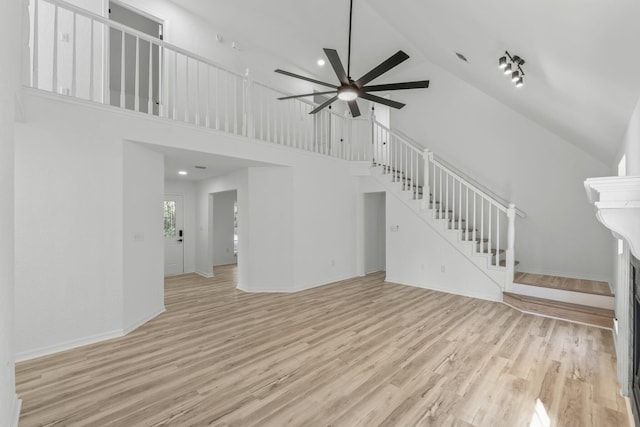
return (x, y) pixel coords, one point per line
(347, 93)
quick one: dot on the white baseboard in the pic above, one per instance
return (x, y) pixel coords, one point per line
(80, 342)
(470, 294)
(262, 291)
(318, 284)
(67, 345)
(205, 275)
(294, 289)
(142, 321)
(15, 412)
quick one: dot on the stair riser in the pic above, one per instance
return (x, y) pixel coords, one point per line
(559, 313)
(592, 300)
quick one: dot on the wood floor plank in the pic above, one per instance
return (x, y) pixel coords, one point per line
(361, 352)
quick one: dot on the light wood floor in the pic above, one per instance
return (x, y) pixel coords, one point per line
(564, 283)
(356, 353)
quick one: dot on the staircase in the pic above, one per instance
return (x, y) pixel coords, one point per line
(482, 228)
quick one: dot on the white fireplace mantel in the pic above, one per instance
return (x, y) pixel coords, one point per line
(617, 203)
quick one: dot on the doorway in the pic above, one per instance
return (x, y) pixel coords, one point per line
(375, 232)
(173, 234)
(128, 68)
(225, 228)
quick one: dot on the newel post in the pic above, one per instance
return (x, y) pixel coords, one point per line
(511, 241)
(426, 188)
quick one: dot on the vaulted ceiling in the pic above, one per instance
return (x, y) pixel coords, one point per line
(582, 63)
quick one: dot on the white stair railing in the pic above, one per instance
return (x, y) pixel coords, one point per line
(77, 53)
(479, 217)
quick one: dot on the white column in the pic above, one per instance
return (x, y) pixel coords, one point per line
(511, 241)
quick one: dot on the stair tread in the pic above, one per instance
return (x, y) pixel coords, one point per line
(563, 283)
(596, 311)
(503, 263)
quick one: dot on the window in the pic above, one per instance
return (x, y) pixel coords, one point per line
(169, 218)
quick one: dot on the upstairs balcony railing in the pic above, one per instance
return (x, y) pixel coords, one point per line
(77, 53)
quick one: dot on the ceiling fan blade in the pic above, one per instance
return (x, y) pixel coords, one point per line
(298, 76)
(324, 104)
(393, 61)
(306, 94)
(397, 86)
(383, 101)
(353, 106)
(334, 59)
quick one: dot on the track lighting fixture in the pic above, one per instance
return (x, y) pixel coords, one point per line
(512, 65)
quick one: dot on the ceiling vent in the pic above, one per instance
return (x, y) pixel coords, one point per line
(461, 57)
(200, 167)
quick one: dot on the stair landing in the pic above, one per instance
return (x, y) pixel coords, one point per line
(564, 283)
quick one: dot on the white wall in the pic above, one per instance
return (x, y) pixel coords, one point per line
(520, 161)
(69, 226)
(270, 230)
(187, 189)
(143, 241)
(10, 52)
(417, 254)
(223, 223)
(374, 232)
(324, 222)
(630, 146)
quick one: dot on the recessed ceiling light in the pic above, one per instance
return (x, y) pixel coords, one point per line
(320, 62)
(182, 172)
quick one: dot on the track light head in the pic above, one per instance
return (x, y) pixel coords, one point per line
(507, 69)
(519, 82)
(502, 63)
(515, 76)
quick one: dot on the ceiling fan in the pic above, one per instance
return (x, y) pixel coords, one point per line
(350, 90)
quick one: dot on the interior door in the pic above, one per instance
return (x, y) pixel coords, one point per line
(147, 61)
(173, 235)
